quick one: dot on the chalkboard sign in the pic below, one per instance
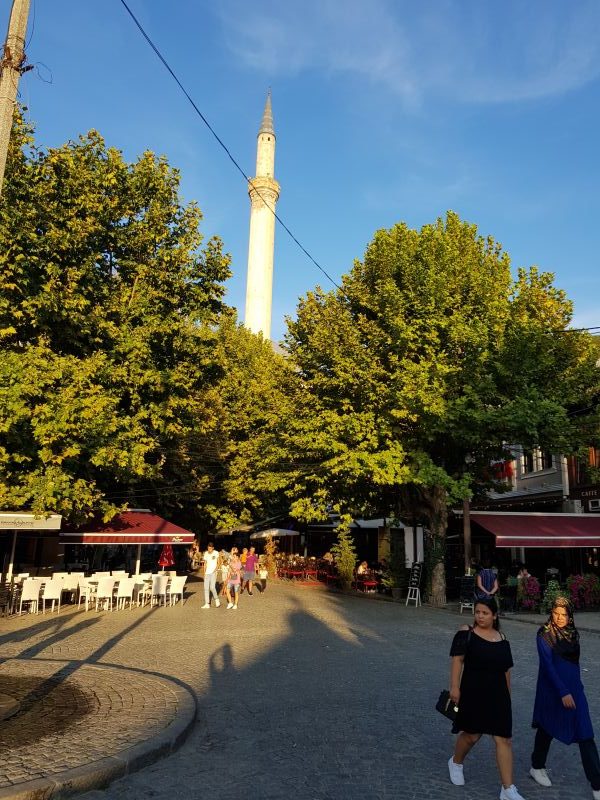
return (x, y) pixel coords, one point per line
(414, 581)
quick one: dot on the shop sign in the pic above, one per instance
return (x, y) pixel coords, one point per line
(29, 522)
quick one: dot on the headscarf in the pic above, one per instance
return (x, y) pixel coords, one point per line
(563, 641)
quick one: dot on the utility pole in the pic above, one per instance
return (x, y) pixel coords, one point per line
(467, 534)
(12, 65)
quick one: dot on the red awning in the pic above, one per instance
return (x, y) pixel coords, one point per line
(512, 529)
(130, 527)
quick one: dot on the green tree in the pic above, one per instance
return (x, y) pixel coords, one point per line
(109, 315)
(259, 392)
(344, 552)
(429, 352)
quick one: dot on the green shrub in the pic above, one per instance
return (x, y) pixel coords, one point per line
(345, 554)
(553, 590)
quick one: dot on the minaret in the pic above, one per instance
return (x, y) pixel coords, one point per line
(264, 193)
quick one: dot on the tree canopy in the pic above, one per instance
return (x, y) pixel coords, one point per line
(110, 306)
(431, 351)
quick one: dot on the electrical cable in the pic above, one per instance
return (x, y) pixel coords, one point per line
(222, 143)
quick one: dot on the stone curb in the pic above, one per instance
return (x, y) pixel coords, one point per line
(8, 706)
(98, 774)
(508, 617)
(450, 609)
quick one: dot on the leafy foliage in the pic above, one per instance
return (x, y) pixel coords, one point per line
(344, 552)
(108, 313)
(396, 577)
(551, 592)
(429, 352)
(270, 557)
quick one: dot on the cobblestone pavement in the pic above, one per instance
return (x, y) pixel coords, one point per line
(307, 694)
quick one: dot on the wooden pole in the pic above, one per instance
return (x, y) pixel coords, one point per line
(467, 534)
(12, 66)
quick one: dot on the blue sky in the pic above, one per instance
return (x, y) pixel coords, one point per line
(385, 110)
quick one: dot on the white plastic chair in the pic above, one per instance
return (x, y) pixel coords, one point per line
(52, 591)
(125, 592)
(175, 589)
(96, 575)
(30, 593)
(86, 592)
(58, 575)
(119, 573)
(158, 589)
(104, 592)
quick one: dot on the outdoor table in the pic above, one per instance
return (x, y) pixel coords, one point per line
(366, 583)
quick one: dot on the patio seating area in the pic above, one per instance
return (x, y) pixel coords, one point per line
(100, 591)
(310, 568)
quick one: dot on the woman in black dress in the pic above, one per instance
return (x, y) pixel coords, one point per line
(480, 687)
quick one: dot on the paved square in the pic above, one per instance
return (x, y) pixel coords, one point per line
(307, 694)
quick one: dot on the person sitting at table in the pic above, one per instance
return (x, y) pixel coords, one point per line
(363, 568)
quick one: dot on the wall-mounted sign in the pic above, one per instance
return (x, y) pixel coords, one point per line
(585, 492)
(20, 521)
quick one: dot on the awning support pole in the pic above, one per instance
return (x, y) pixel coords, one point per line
(138, 559)
(11, 562)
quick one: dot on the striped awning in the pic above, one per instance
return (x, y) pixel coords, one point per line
(537, 529)
(129, 527)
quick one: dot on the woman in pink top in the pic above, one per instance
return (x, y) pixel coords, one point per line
(250, 570)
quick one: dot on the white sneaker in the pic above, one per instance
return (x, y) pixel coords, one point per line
(229, 605)
(206, 605)
(235, 608)
(541, 776)
(511, 793)
(456, 773)
(217, 603)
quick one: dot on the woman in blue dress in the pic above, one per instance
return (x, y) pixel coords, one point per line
(561, 710)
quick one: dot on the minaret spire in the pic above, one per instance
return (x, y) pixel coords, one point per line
(264, 193)
(267, 119)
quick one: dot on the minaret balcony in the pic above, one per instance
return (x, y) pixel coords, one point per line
(263, 188)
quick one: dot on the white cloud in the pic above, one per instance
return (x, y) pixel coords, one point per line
(466, 49)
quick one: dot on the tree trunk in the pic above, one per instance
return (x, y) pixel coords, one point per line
(438, 523)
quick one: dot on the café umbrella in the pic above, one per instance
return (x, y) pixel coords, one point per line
(275, 533)
(166, 558)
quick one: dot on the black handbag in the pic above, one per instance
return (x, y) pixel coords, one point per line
(445, 705)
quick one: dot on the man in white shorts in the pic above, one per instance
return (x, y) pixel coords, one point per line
(211, 561)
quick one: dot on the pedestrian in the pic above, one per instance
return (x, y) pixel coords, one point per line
(193, 556)
(263, 574)
(234, 579)
(480, 687)
(223, 571)
(561, 709)
(486, 583)
(211, 562)
(250, 570)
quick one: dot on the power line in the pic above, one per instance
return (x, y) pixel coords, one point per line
(222, 143)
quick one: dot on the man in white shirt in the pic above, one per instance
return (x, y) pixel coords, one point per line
(211, 561)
